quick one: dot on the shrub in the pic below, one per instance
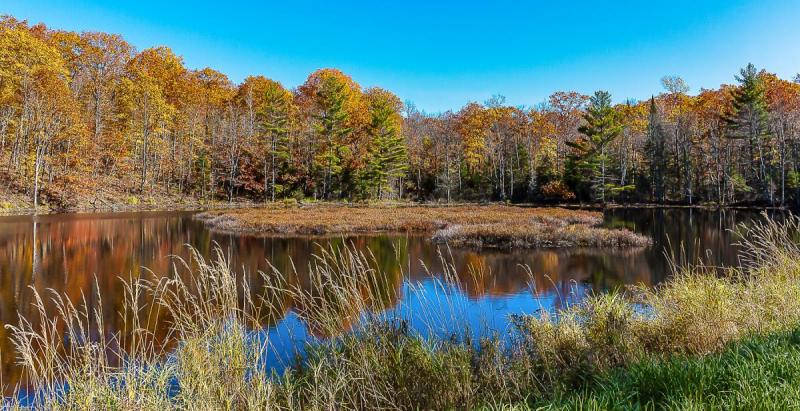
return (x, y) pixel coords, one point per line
(556, 190)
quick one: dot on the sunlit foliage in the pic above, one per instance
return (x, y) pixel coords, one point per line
(86, 119)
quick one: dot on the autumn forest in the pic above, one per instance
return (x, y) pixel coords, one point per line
(83, 113)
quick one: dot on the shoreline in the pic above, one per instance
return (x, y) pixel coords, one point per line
(123, 208)
(222, 205)
(701, 327)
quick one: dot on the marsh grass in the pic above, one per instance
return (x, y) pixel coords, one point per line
(492, 226)
(211, 354)
(539, 234)
(338, 219)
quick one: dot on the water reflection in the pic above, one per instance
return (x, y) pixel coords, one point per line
(69, 253)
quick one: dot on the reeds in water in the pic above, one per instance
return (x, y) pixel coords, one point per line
(193, 342)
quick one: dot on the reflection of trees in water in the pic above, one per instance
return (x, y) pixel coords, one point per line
(71, 253)
(689, 236)
(66, 252)
(505, 273)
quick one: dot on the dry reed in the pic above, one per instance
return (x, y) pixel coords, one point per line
(217, 359)
(493, 226)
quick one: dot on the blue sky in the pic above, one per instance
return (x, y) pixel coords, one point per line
(441, 55)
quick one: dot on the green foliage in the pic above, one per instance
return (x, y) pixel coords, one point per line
(332, 126)
(739, 184)
(202, 171)
(275, 117)
(387, 158)
(793, 179)
(615, 191)
(589, 164)
(748, 121)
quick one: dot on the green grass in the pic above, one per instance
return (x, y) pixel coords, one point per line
(760, 373)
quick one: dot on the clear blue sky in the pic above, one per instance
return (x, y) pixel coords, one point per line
(442, 55)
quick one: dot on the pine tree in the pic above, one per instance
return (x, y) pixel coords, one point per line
(749, 121)
(333, 128)
(589, 162)
(655, 150)
(387, 157)
(275, 118)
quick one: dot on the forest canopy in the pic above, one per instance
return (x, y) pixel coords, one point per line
(82, 113)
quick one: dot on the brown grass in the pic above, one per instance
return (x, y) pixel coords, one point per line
(463, 225)
(217, 364)
(537, 234)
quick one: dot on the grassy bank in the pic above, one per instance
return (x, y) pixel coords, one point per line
(757, 373)
(464, 225)
(678, 345)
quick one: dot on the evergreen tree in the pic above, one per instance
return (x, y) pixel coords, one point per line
(202, 172)
(387, 157)
(332, 127)
(655, 150)
(589, 162)
(275, 120)
(748, 121)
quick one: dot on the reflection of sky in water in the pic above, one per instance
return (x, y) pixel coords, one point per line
(67, 253)
(431, 308)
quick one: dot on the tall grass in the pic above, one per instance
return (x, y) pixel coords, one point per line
(757, 373)
(193, 341)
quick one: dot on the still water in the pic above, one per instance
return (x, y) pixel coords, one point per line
(69, 253)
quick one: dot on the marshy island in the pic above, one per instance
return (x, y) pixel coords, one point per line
(490, 226)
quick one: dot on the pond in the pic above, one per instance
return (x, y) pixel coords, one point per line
(69, 253)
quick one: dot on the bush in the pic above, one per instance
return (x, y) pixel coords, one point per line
(558, 191)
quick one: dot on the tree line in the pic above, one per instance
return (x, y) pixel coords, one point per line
(82, 112)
